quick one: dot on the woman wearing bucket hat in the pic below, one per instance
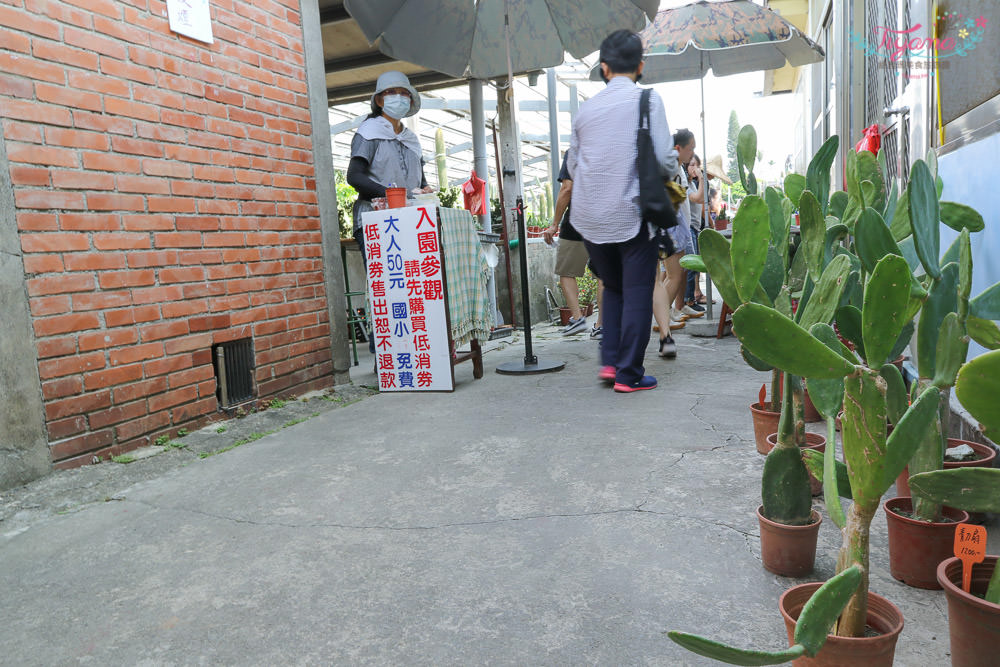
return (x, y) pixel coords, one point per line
(384, 153)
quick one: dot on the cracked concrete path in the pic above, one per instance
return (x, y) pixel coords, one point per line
(519, 520)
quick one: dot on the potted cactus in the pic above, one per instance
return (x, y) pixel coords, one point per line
(756, 267)
(873, 459)
(920, 530)
(974, 616)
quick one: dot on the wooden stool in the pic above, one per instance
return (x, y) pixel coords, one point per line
(724, 320)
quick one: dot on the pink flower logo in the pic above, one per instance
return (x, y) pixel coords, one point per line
(981, 22)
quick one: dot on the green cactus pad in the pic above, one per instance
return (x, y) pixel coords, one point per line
(816, 464)
(714, 249)
(748, 249)
(825, 297)
(773, 277)
(951, 254)
(909, 252)
(753, 362)
(777, 219)
(970, 489)
(874, 241)
(943, 299)
(818, 172)
(838, 204)
(952, 348)
(899, 223)
(794, 185)
(813, 232)
(925, 217)
(823, 608)
(964, 273)
(746, 148)
(896, 398)
(887, 295)
(862, 431)
(960, 216)
(785, 492)
(905, 336)
(732, 655)
(984, 332)
(782, 343)
(848, 319)
(891, 202)
(905, 438)
(987, 304)
(835, 233)
(694, 263)
(978, 389)
(868, 171)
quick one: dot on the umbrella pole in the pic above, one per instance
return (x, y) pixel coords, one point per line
(530, 365)
(704, 203)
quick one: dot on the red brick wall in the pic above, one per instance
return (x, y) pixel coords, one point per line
(165, 199)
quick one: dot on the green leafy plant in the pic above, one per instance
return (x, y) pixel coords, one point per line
(587, 284)
(346, 196)
(122, 458)
(161, 440)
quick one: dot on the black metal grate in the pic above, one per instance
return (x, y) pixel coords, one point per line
(234, 364)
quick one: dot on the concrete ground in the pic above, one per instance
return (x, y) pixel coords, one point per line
(518, 520)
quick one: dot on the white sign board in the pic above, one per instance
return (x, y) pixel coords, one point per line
(191, 18)
(407, 296)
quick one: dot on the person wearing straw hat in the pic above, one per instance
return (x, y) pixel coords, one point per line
(693, 298)
(384, 153)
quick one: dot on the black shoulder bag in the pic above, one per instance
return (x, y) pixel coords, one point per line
(653, 199)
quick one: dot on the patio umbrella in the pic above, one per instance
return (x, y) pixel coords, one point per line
(728, 37)
(467, 37)
(484, 39)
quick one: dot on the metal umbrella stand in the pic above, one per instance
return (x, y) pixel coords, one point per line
(530, 365)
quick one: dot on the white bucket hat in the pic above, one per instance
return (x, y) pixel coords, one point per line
(395, 79)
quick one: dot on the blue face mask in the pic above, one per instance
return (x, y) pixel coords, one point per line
(396, 105)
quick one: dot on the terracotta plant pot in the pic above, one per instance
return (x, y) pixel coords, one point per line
(974, 623)
(917, 547)
(811, 413)
(883, 616)
(765, 422)
(813, 441)
(986, 457)
(788, 550)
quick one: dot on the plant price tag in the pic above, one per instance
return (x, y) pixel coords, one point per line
(970, 547)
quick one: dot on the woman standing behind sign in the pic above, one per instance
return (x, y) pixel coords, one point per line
(384, 152)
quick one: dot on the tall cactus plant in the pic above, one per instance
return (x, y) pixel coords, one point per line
(873, 459)
(757, 267)
(441, 159)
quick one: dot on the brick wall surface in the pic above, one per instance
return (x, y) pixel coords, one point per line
(165, 200)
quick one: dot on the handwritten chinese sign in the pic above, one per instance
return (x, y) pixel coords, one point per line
(407, 297)
(970, 547)
(190, 18)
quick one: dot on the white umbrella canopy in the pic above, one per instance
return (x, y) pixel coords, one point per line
(467, 37)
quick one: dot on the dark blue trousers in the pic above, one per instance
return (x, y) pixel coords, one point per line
(628, 270)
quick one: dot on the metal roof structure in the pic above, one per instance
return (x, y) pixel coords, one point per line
(352, 66)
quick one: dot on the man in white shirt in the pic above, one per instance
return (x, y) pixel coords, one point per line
(602, 164)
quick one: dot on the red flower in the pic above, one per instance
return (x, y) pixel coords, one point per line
(981, 22)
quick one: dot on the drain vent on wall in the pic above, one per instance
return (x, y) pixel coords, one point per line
(234, 364)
